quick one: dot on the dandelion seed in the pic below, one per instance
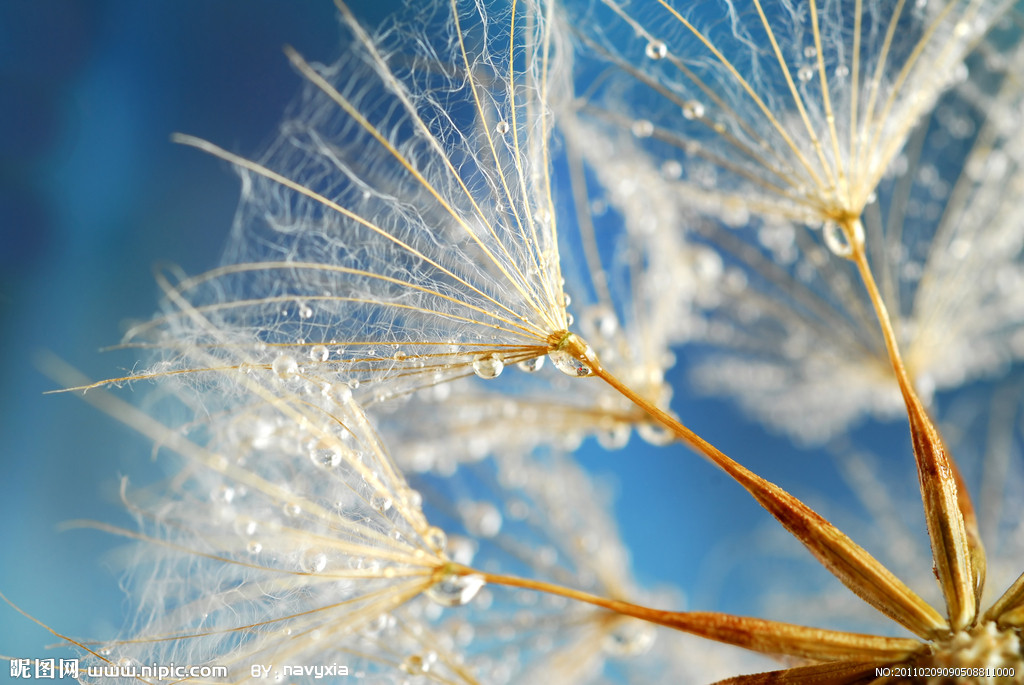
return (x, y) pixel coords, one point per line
(463, 267)
(799, 148)
(314, 551)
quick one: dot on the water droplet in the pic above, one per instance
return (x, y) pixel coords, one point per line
(810, 52)
(341, 392)
(436, 539)
(838, 241)
(842, 71)
(285, 366)
(656, 49)
(488, 366)
(653, 434)
(313, 562)
(225, 493)
(531, 365)
(614, 438)
(642, 128)
(254, 547)
(455, 590)
(413, 498)
(501, 128)
(319, 353)
(672, 170)
(416, 664)
(629, 637)
(379, 624)
(570, 365)
(325, 457)
(246, 527)
(381, 502)
(693, 109)
(481, 518)
(599, 321)
(461, 550)
(805, 73)
(305, 311)
(291, 509)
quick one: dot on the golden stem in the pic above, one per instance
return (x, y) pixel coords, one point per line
(952, 525)
(768, 637)
(852, 565)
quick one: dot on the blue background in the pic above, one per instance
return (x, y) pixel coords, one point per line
(93, 196)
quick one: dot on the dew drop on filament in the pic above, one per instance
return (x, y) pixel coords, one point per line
(656, 49)
(342, 392)
(615, 438)
(436, 538)
(570, 365)
(482, 519)
(693, 110)
(629, 637)
(325, 457)
(415, 664)
(837, 240)
(285, 366)
(314, 562)
(655, 434)
(319, 353)
(642, 128)
(419, 664)
(381, 502)
(454, 590)
(531, 365)
(488, 366)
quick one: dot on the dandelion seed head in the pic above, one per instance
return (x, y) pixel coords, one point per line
(790, 311)
(781, 126)
(408, 203)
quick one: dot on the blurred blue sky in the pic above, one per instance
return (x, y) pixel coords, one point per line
(93, 196)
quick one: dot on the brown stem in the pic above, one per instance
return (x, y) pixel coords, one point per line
(768, 637)
(1011, 603)
(847, 561)
(952, 524)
